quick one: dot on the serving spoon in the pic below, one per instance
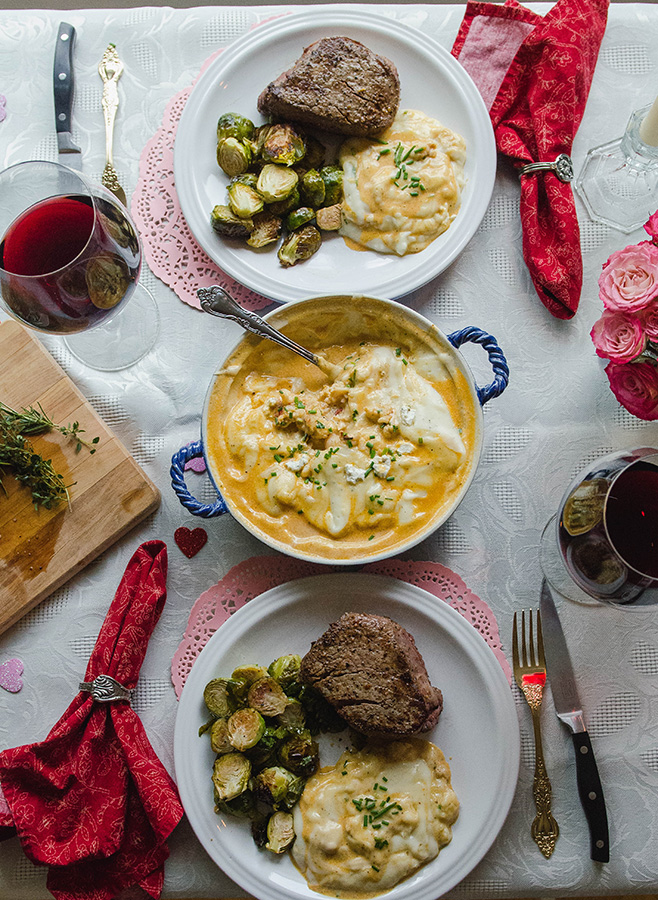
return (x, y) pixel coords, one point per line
(217, 302)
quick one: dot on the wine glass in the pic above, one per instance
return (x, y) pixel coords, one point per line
(602, 545)
(70, 259)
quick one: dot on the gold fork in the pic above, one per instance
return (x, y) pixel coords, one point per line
(530, 675)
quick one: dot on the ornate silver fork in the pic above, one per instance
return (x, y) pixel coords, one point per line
(530, 674)
(110, 70)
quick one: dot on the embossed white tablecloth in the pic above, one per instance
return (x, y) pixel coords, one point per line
(556, 413)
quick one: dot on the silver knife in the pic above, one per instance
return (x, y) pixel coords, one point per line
(69, 154)
(570, 711)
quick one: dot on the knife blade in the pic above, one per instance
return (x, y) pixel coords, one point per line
(63, 84)
(570, 711)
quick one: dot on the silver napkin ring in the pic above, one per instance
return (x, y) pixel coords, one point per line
(105, 689)
(562, 167)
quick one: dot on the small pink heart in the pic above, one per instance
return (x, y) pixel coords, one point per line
(189, 540)
(10, 675)
(198, 464)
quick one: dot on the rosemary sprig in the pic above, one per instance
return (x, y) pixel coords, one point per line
(17, 453)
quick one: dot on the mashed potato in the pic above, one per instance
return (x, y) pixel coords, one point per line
(404, 190)
(374, 818)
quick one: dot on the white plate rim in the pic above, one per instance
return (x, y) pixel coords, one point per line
(411, 273)
(340, 585)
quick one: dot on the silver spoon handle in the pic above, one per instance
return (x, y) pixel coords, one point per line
(217, 302)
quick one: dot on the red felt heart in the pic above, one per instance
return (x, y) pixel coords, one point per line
(190, 540)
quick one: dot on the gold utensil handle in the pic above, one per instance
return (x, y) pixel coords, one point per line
(544, 828)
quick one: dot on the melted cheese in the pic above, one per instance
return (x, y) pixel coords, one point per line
(403, 190)
(374, 818)
(333, 468)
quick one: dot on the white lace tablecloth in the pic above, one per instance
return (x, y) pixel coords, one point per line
(557, 413)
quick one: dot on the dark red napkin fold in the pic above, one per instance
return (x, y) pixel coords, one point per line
(93, 801)
(534, 74)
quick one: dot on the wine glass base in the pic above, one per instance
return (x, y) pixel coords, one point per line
(555, 571)
(126, 338)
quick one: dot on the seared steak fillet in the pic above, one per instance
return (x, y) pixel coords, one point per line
(336, 85)
(369, 668)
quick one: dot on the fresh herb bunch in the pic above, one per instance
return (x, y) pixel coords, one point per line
(17, 453)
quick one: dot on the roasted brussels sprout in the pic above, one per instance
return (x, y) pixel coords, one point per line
(329, 218)
(283, 145)
(300, 754)
(299, 246)
(320, 714)
(304, 215)
(219, 737)
(230, 776)
(234, 125)
(245, 728)
(286, 669)
(333, 184)
(276, 182)
(245, 201)
(249, 673)
(315, 153)
(233, 156)
(277, 787)
(267, 696)
(280, 832)
(244, 805)
(281, 207)
(312, 189)
(249, 178)
(227, 224)
(217, 698)
(293, 716)
(267, 228)
(259, 830)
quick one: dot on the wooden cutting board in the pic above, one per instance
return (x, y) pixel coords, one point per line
(41, 549)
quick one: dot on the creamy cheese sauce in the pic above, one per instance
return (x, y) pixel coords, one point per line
(374, 818)
(403, 190)
(335, 467)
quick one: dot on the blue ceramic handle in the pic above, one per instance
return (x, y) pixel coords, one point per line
(177, 472)
(496, 358)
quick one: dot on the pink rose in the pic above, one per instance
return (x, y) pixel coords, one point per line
(636, 387)
(651, 227)
(618, 336)
(649, 320)
(629, 280)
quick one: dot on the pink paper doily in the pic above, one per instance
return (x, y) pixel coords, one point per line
(260, 573)
(169, 246)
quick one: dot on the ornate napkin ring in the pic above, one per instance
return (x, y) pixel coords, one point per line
(105, 689)
(562, 167)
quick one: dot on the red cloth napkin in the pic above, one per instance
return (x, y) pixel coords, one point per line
(93, 801)
(534, 74)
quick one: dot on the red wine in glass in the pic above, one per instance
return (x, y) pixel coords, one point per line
(68, 262)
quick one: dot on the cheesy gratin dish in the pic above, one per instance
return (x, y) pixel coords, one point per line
(402, 190)
(350, 467)
(374, 818)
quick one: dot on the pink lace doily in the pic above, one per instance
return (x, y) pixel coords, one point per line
(260, 573)
(169, 246)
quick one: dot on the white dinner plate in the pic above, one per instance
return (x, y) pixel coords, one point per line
(431, 80)
(477, 730)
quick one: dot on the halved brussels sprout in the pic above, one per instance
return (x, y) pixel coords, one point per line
(276, 182)
(315, 153)
(281, 207)
(299, 246)
(226, 223)
(312, 189)
(243, 806)
(329, 218)
(300, 217)
(283, 145)
(333, 184)
(300, 754)
(267, 228)
(277, 787)
(234, 125)
(245, 201)
(280, 832)
(245, 728)
(286, 669)
(293, 715)
(268, 697)
(249, 673)
(233, 156)
(217, 698)
(230, 776)
(219, 737)
(249, 178)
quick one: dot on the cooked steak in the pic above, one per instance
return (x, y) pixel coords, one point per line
(337, 85)
(369, 668)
